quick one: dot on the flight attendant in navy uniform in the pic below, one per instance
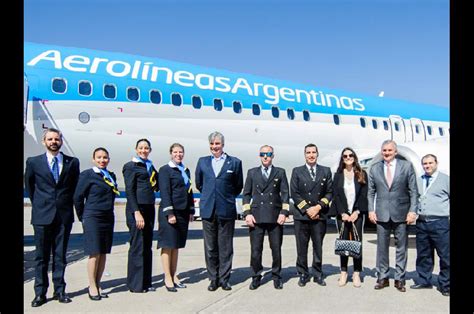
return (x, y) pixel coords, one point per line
(311, 191)
(266, 206)
(94, 202)
(141, 181)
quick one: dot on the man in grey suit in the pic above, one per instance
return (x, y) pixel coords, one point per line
(394, 182)
(432, 227)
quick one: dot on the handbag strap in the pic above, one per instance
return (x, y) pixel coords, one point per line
(354, 230)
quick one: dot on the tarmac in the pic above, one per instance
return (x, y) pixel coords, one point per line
(197, 299)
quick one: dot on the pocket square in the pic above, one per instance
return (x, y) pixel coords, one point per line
(230, 171)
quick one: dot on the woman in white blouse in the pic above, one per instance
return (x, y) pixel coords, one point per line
(349, 204)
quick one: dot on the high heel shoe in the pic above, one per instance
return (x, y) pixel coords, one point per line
(93, 297)
(343, 279)
(171, 289)
(180, 285)
(356, 279)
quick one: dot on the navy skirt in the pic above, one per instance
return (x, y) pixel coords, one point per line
(173, 236)
(98, 233)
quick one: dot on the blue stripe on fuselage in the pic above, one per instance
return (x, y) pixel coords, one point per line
(98, 67)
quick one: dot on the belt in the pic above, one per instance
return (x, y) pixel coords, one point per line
(430, 217)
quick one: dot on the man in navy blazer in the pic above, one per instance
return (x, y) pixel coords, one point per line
(220, 180)
(50, 180)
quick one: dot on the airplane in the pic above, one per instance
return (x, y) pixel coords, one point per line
(98, 98)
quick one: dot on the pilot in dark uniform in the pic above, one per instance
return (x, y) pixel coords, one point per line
(311, 191)
(266, 206)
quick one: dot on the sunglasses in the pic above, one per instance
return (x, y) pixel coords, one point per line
(347, 156)
(269, 154)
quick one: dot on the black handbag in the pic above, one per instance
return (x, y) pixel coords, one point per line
(351, 248)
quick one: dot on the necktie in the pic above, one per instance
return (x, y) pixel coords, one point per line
(265, 173)
(183, 174)
(389, 176)
(55, 169)
(313, 175)
(427, 178)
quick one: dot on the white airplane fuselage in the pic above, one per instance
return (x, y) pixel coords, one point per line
(90, 121)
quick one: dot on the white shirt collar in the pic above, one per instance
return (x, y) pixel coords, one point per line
(50, 157)
(309, 167)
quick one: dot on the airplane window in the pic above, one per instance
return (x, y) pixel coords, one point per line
(306, 116)
(417, 129)
(133, 94)
(218, 104)
(256, 109)
(176, 99)
(85, 88)
(397, 126)
(275, 112)
(110, 91)
(155, 96)
(429, 129)
(336, 119)
(385, 125)
(237, 106)
(59, 85)
(197, 102)
(362, 122)
(291, 113)
(375, 125)
(441, 131)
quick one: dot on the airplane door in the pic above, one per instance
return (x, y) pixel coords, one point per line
(418, 130)
(25, 100)
(398, 129)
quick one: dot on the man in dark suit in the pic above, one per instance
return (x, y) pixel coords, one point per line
(219, 179)
(266, 206)
(394, 182)
(311, 191)
(50, 180)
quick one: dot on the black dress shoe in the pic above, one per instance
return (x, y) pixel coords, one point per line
(255, 283)
(319, 280)
(400, 285)
(303, 280)
(212, 286)
(62, 297)
(381, 284)
(150, 289)
(180, 285)
(225, 285)
(277, 283)
(38, 301)
(421, 286)
(171, 289)
(445, 292)
(94, 297)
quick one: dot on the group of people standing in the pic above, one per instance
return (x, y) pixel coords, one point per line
(389, 194)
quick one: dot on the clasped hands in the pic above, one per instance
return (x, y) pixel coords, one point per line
(313, 212)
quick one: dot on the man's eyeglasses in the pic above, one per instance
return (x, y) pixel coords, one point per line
(347, 156)
(269, 154)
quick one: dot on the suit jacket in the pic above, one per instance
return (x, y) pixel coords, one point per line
(138, 187)
(266, 199)
(219, 192)
(339, 200)
(45, 194)
(175, 195)
(307, 193)
(93, 196)
(394, 202)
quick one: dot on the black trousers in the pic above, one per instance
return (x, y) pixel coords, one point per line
(275, 238)
(140, 254)
(218, 247)
(359, 224)
(52, 238)
(304, 230)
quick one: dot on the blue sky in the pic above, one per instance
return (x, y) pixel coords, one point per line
(366, 46)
